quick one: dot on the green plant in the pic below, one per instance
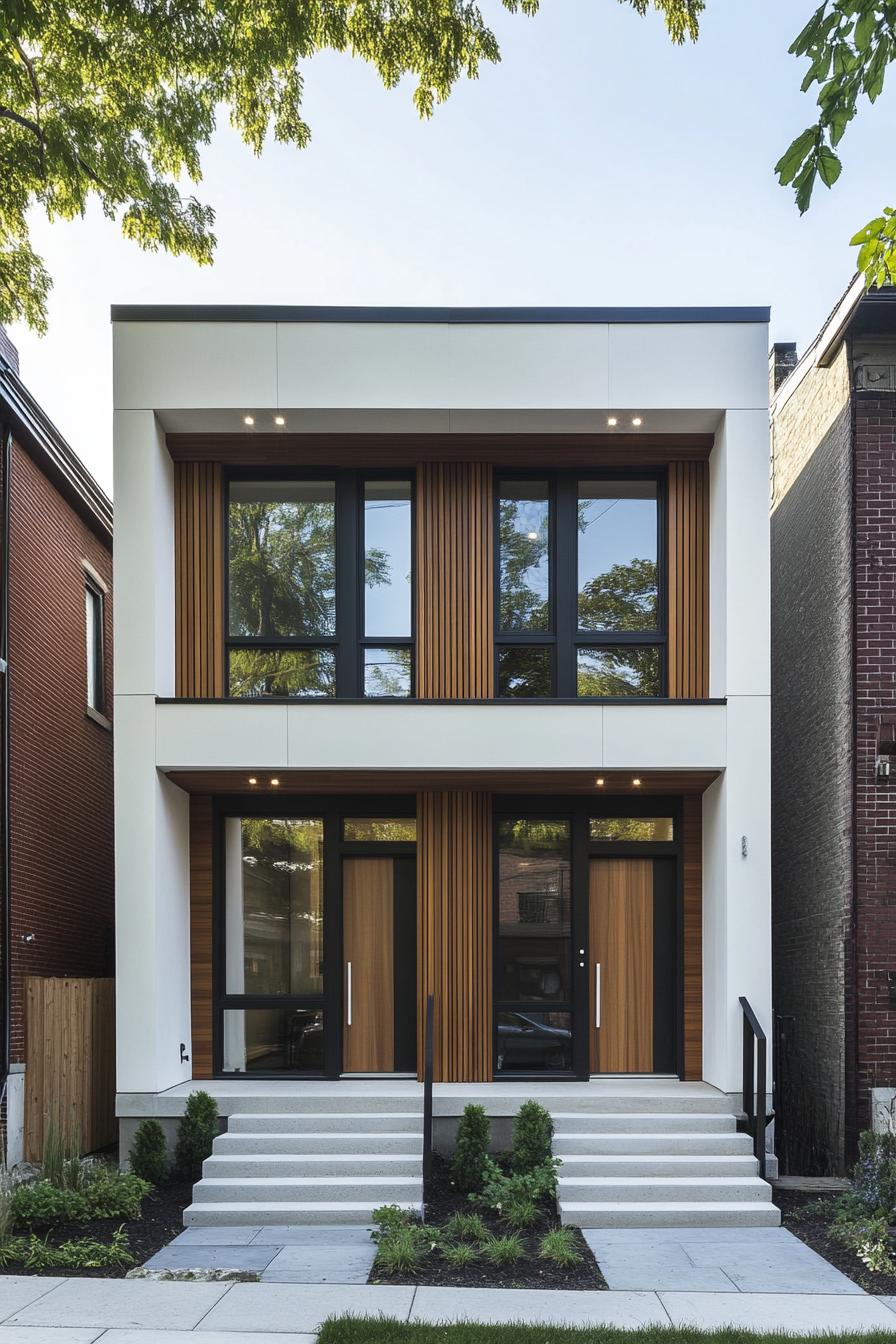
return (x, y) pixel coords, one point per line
(533, 1133)
(520, 1214)
(390, 1218)
(471, 1149)
(503, 1250)
(8, 1185)
(80, 1253)
(559, 1246)
(115, 1194)
(459, 1255)
(499, 1190)
(196, 1133)
(52, 1161)
(869, 1237)
(149, 1154)
(465, 1227)
(403, 1250)
(109, 1194)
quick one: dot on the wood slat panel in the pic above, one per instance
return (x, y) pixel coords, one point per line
(621, 934)
(692, 902)
(404, 450)
(199, 579)
(688, 564)
(201, 934)
(454, 932)
(367, 943)
(454, 583)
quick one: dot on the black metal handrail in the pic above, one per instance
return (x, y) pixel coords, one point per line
(427, 1097)
(755, 1079)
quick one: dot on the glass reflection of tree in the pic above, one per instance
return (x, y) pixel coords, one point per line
(623, 598)
(524, 555)
(283, 865)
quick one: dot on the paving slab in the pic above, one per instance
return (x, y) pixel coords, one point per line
(793, 1312)
(17, 1290)
(183, 1337)
(216, 1236)
(536, 1307)
(288, 1307)
(654, 1278)
(253, 1258)
(321, 1234)
(321, 1264)
(823, 1278)
(888, 1302)
(659, 1235)
(124, 1303)
(55, 1334)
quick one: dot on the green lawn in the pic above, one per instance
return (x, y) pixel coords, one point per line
(378, 1330)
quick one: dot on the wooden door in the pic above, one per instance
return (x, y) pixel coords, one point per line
(621, 965)
(368, 943)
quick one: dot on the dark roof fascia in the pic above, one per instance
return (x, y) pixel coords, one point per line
(459, 316)
(40, 438)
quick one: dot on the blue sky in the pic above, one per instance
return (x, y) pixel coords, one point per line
(597, 164)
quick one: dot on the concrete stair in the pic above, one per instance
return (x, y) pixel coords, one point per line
(326, 1160)
(647, 1160)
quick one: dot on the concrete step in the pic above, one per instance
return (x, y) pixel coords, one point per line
(656, 1189)
(721, 1144)
(365, 1122)
(641, 1102)
(229, 1144)
(284, 1166)
(241, 1213)
(640, 1122)
(671, 1165)
(671, 1213)
(270, 1191)
(339, 1099)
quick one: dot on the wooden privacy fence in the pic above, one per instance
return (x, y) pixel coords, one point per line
(70, 1061)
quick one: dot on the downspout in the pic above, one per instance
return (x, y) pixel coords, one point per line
(5, 896)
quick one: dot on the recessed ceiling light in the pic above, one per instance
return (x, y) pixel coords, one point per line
(279, 420)
(612, 421)
(636, 420)
(248, 419)
(600, 783)
(252, 779)
(275, 782)
(637, 783)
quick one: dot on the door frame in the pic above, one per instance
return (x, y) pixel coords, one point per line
(578, 810)
(332, 809)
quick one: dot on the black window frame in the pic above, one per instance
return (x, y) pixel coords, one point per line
(566, 638)
(97, 636)
(349, 640)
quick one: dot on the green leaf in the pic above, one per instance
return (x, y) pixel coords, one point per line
(865, 29)
(789, 163)
(829, 166)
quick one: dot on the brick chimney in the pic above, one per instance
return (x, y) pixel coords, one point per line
(8, 353)
(782, 360)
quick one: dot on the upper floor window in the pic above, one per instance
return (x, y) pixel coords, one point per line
(580, 610)
(319, 583)
(94, 603)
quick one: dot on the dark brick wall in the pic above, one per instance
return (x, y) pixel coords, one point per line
(811, 549)
(871, 995)
(61, 760)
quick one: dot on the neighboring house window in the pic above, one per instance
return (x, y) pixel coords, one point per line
(580, 609)
(93, 606)
(319, 579)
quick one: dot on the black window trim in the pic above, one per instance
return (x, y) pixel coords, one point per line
(349, 640)
(566, 637)
(94, 586)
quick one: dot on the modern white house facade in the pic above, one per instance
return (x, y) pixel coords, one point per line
(442, 669)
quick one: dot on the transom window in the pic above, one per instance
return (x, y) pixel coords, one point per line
(579, 606)
(320, 583)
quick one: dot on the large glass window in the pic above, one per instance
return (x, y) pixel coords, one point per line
(579, 587)
(94, 604)
(534, 963)
(319, 583)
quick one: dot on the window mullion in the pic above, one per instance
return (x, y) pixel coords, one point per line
(349, 584)
(565, 534)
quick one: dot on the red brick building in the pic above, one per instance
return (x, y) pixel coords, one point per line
(834, 729)
(55, 714)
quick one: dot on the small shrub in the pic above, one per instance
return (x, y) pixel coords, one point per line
(149, 1154)
(8, 1185)
(869, 1238)
(390, 1218)
(503, 1250)
(459, 1255)
(499, 1190)
(533, 1132)
(471, 1150)
(465, 1227)
(115, 1194)
(109, 1194)
(403, 1250)
(80, 1253)
(559, 1246)
(196, 1133)
(520, 1214)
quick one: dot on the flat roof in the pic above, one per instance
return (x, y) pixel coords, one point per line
(553, 316)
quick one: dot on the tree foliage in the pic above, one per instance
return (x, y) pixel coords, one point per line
(114, 102)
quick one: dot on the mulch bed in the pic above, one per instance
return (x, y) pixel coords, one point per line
(530, 1271)
(808, 1217)
(162, 1219)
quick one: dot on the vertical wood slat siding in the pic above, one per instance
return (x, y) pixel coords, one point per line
(454, 932)
(454, 582)
(688, 554)
(201, 934)
(199, 579)
(692, 902)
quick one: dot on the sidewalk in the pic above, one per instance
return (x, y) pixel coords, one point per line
(121, 1311)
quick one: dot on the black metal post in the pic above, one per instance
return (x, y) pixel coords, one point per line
(759, 1147)
(427, 1097)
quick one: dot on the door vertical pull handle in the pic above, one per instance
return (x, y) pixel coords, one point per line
(348, 982)
(597, 993)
